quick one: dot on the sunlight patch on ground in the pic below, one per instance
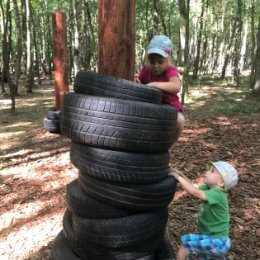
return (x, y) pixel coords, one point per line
(24, 242)
(23, 211)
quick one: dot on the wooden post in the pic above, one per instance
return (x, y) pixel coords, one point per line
(60, 57)
(116, 35)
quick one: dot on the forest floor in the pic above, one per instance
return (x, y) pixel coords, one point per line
(222, 123)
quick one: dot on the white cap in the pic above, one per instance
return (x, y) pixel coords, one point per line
(160, 44)
(228, 173)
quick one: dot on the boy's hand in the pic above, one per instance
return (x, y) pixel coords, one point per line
(174, 172)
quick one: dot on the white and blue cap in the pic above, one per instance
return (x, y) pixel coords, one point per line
(228, 173)
(160, 44)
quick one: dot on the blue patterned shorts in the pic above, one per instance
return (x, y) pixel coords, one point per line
(207, 247)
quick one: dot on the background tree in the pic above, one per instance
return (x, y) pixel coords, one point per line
(213, 38)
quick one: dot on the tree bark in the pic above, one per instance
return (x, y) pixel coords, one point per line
(60, 57)
(237, 49)
(75, 42)
(116, 34)
(18, 47)
(253, 47)
(36, 49)
(197, 59)
(256, 86)
(29, 68)
(184, 8)
(3, 32)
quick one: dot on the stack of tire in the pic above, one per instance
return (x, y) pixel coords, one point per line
(52, 121)
(117, 207)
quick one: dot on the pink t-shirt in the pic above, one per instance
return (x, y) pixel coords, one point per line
(146, 76)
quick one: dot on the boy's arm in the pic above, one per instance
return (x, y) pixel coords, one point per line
(187, 185)
(173, 86)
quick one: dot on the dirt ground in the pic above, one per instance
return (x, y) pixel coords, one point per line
(35, 168)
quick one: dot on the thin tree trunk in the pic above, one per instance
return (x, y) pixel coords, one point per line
(3, 32)
(37, 63)
(256, 86)
(253, 47)
(29, 76)
(197, 59)
(6, 54)
(155, 18)
(18, 47)
(184, 8)
(228, 52)
(237, 54)
(243, 49)
(159, 14)
(75, 42)
(88, 34)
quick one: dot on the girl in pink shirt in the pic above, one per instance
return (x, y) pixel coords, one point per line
(161, 74)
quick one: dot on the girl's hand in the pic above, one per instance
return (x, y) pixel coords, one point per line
(136, 80)
(151, 84)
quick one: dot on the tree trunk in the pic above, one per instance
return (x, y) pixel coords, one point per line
(237, 54)
(6, 54)
(116, 34)
(88, 35)
(184, 8)
(75, 42)
(3, 32)
(36, 48)
(197, 59)
(243, 49)
(29, 71)
(18, 53)
(158, 13)
(60, 57)
(155, 18)
(228, 52)
(253, 47)
(256, 86)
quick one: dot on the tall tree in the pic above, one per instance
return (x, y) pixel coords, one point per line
(183, 57)
(256, 86)
(197, 59)
(3, 34)
(237, 47)
(29, 67)
(18, 48)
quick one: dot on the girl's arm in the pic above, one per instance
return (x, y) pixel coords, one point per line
(188, 186)
(173, 86)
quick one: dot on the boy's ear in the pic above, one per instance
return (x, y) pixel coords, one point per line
(221, 184)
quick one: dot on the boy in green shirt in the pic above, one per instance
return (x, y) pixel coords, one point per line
(212, 242)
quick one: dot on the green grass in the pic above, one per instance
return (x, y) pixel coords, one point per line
(219, 97)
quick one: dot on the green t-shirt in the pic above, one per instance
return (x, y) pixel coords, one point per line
(214, 213)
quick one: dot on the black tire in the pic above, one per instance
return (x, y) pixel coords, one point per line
(52, 125)
(82, 205)
(140, 198)
(165, 251)
(60, 249)
(95, 84)
(92, 251)
(126, 232)
(118, 166)
(118, 124)
(53, 113)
